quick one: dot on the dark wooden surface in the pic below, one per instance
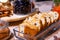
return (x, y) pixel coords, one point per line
(57, 34)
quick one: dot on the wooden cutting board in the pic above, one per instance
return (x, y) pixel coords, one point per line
(52, 37)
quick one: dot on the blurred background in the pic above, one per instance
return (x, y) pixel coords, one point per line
(42, 0)
(37, 0)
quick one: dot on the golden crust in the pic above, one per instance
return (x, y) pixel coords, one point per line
(30, 30)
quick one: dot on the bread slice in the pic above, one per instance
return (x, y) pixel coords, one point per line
(51, 16)
(54, 16)
(47, 17)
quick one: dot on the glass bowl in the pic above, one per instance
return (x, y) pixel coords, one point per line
(16, 33)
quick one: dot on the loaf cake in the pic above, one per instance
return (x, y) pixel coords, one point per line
(36, 23)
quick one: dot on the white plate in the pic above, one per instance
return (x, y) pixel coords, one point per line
(16, 17)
